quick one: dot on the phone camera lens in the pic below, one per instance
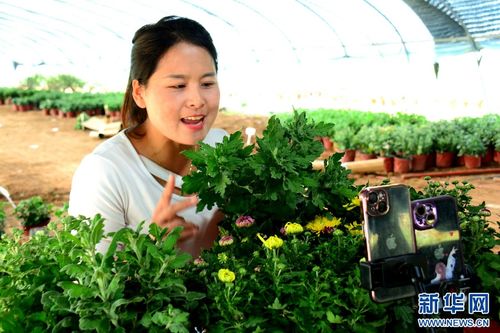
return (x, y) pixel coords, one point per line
(372, 197)
(430, 219)
(382, 207)
(421, 210)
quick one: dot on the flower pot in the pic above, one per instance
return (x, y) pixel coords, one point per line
(349, 155)
(363, 157)
(444, 159)
(388, 163)
(431, 161)
(472, 162)
(487, 158)
(497, 156)
(460, 161)
(46, 112)
(54, 111)
(31, 230)
(401, 165)
(327, 143)
(418, 162)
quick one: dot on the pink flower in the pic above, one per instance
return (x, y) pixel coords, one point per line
(244, 221)
(226, 240)
(199, 262)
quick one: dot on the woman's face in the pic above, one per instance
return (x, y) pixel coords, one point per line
(182, 95)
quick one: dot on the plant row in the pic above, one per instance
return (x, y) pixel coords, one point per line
(403, 135)
(64, 102)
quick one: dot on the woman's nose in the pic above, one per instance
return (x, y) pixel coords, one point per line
(195, 98)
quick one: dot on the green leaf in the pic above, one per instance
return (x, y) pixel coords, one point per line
(94, 323)
(77, 290)
(334, 319)
(277, 305)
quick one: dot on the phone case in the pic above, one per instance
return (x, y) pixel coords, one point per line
(437, 235)
(388, 231)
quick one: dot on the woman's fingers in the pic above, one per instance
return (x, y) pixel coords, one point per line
(181, 205)
(165, 214)
(166, 196)
(188, 231)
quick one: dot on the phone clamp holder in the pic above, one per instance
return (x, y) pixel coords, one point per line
(395, 271)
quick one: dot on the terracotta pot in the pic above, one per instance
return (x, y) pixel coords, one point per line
(418, 162)
(327, 143)
(488, 156)
(46, 112)
(472, 162)
(54, 111)
(363, 157)
(349, 155)
(16, 107)
(431, 161)
(460, 161)
(401, 165)
(445, 159)
(388, 163)
(1, 102)
(31, 230)
(497, 157)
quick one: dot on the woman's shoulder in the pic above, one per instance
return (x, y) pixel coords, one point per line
(115, 150)
(215, 135)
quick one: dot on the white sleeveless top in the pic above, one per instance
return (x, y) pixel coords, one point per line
(118, 183)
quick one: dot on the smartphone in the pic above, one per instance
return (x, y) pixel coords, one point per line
(437, 235)
(388, 231)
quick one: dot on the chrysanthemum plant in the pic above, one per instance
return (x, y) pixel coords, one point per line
(287, 257)
(291, 238)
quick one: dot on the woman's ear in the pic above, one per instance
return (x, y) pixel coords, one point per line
(137, 94)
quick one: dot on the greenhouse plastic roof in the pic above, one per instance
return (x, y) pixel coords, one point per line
(96, 35)
(65, 31)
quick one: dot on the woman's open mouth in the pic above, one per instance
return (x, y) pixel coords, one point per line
(193, 122)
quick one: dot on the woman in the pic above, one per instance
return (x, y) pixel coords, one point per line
(171, 102)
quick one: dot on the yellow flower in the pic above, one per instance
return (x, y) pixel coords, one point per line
(293, 228)
(353, 204)
(272, 242)
(323, 224)
(354, 228)
(225, 275)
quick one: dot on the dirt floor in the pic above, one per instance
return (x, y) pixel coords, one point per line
(39, 154)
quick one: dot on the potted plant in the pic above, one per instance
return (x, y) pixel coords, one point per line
(384, 145)
(471, 147)
(402, 141)
(445, 143)
(33, 213)
(487, 127)
(365, 143)
(344, 138)
(419, 146)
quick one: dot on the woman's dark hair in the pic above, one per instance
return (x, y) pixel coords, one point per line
(150, 43)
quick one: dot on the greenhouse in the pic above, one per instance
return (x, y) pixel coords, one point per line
(249, 166)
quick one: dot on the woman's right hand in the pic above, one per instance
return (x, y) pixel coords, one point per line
(165, 213)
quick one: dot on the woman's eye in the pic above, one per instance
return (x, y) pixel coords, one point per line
(208, 84)
(178, 86)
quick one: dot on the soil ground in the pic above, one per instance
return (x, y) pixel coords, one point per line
(39, 154)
